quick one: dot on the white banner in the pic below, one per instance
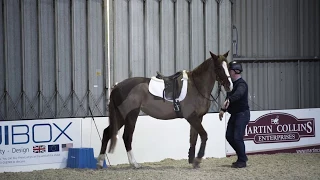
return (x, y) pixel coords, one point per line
(288, 131)
(35, 142)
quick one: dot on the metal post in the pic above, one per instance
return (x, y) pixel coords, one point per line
(204, 29)
(89, 52)
(56, 56)
(73, 55)
(218, 25)
(145, 37)
(39, 58)
(160, 36)
(107, 42)
(300, 44)
(5, 38)
(175, 34)
(23, 79)
(129, 38)
(190, 33)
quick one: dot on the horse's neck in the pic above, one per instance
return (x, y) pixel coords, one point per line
(205, 81)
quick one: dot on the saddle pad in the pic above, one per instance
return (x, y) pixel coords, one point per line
(156, 87)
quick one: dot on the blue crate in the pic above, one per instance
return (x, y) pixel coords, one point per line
(82, 158)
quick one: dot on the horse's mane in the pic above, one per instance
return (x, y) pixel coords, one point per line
(202, 67)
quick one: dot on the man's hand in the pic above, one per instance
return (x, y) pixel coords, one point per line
(226, 104)
(221, 115)
(224, 108)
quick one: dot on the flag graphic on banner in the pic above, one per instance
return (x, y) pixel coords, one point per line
(39, 149)
(53, 148)
(65, 147)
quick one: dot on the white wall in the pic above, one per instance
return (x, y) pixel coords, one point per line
(155, 140)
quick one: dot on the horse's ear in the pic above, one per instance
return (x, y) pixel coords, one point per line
(213, 55)
(226, 54)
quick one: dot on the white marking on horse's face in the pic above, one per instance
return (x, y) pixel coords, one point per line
(224, 65)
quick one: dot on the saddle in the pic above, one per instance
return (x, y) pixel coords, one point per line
(172, 89)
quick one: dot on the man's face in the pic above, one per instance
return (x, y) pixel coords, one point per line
(232, 73)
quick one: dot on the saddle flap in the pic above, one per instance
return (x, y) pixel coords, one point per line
(172, 88)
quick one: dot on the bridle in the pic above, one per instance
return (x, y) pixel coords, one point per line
(219, 89)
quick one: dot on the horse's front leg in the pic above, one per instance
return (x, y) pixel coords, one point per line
(195, 122)
(193, 143)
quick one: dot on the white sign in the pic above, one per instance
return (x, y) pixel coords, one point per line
(37, 142)
(288, 131)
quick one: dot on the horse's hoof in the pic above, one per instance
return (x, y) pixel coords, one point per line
(196, 166)
(190, 161)
(99, 166)
(196, 163)
(136, 166)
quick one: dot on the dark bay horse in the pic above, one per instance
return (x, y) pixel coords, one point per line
(132, 95)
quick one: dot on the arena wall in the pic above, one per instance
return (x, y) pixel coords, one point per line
(153, 140)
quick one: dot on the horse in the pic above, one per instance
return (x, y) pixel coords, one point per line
(131, 95)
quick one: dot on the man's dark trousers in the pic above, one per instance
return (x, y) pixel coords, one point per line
(235, 132)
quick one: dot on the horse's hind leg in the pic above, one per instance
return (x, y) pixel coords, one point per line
(105, 139)
(104, 142)
(129, 127)
(195, 122)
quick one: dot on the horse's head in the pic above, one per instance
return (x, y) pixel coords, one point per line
(221, 70)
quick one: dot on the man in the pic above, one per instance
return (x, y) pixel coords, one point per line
(237, 105)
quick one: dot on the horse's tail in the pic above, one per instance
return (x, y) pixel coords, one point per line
(114, 114)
